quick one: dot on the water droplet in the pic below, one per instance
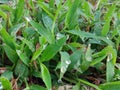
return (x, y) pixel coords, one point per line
(59, 81)
(28, 19)
(18, 51)
(63, 69)
(44, 46)
(68, 62)
(1, 87)
(107, 37)
(66, 66)
(99, 41)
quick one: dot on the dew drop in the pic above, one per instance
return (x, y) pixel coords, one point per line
(59, 81)
(63, 69)
(28, 19)
(1, 87)
(19, 52)
(107, 37)
(68, 62)
(66, 66)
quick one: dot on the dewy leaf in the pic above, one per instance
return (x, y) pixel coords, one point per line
(23, 57)
(65, 61)
(71, 17)
(110, 69)
(90, 35)
(5, 84)
(110, 86)
(12, 55)
(88, 54)
(52, 49)
(75, 59)
(41, 30)
(46, 76)
(108, 18)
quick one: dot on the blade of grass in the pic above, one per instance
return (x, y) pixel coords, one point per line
(46, 76)
(52, 49)
(72, 15)
(108, 18)
(45, 8)
(89, 84)
(41, 30)
(19, 12)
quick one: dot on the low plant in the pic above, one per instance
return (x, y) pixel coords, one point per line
(48, 43)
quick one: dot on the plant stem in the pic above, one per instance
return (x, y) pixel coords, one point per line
(90, 84)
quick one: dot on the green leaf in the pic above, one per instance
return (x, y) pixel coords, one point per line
(71, 17)
(14, 29)
(12, 55)
(37, 53)
(5, 7)
(110, 86)
(19, 12)
(106, 28)
(7, 74)
(7, 38)
(51, 4)
(41, 30)
(108, 18)
(97, 60)
(88, 54)
(87, 9)
(52, 49)
(65, 61)
(21, 69)
(23, 57)
(75, 59)
(5, 83)
(46, 76)
(110, 69)
(3, 14)
(76, 87)
(29, 44)
(47, 21)
(83, 34)
(107, 50)
(45, 8)
(110, 12)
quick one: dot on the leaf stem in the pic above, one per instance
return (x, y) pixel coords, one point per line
(90, 84)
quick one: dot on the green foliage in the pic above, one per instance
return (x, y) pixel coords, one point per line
(46, 76)
(5, 83)
(45, 43)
